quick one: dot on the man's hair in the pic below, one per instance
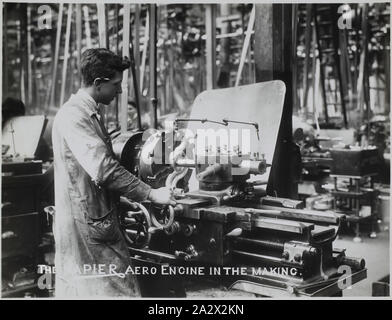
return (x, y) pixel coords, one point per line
(101, 63)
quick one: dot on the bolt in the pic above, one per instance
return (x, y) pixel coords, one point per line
(313, 251)
(297, 257)
(291, 290)
(285, 255)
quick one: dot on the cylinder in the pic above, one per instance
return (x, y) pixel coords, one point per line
(262, 243)
(190, 163)
(355, 263)
(134, 233)
(213, 169)
(130, 220)
(254, 166)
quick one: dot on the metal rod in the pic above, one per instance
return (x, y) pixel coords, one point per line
(294, 23)
(124, 84)
(246, 45)
(5, 48)
(117, 28)
(262, 243)
(144, 54)
(130, 220)
(198, 120)
(257, 256)
(56, 54)
(210, 46)
(87, 26)
(153, 63)
(301, 214)
(102, 25)
(307, 54)
(137, 42)
(255, 124)
(134, 232)
(337, 59)
(135, 82)
(322, 74)
(78, 10)
(66, 54)
(29, 68)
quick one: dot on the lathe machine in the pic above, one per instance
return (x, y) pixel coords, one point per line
(223, 217)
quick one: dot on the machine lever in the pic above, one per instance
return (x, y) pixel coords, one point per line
(234, 233)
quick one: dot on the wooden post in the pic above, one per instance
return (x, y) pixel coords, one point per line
(343, 85)
(22, 50)
(346, 66)
(134, 79)
(153, 64)
(387, 92)
(5, 49)
(137, 41)
(340, 69)
(29, 68)
(294, 53)
(308, 32)
(78, 8)
(360, 82)
(144, 54)
(87, 26)
(117, 26)
(102, 25)
(116, 32)
(211, 45)
(245, 47)
(170, 82)
(102, 43)
(56, 55)
(316, 81)
(273, 54)
(322, 75)
(223, 80)
(66, 53)
(124, 85)
(263, 42)
(107, 25)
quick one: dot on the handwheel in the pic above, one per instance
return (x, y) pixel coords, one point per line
(162, 217)
(135, 226)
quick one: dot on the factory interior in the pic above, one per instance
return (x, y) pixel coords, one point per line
(270, 124)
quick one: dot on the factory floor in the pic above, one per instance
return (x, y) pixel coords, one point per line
(376, 253)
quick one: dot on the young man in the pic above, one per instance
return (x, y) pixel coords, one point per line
(91, 252)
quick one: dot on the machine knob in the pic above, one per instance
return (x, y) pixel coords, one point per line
(285, 255)
(189, 230)
(212, 243)
(356, 263)
(297, 257)
(234, 233)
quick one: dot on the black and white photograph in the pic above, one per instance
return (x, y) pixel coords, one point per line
(192, 150)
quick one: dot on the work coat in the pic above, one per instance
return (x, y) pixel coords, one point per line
(91, 253)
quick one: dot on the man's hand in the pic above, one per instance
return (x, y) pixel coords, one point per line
(162, 196)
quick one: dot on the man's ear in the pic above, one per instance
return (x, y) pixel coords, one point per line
(97, 83)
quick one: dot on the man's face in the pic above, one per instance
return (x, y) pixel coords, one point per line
(108, 89)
